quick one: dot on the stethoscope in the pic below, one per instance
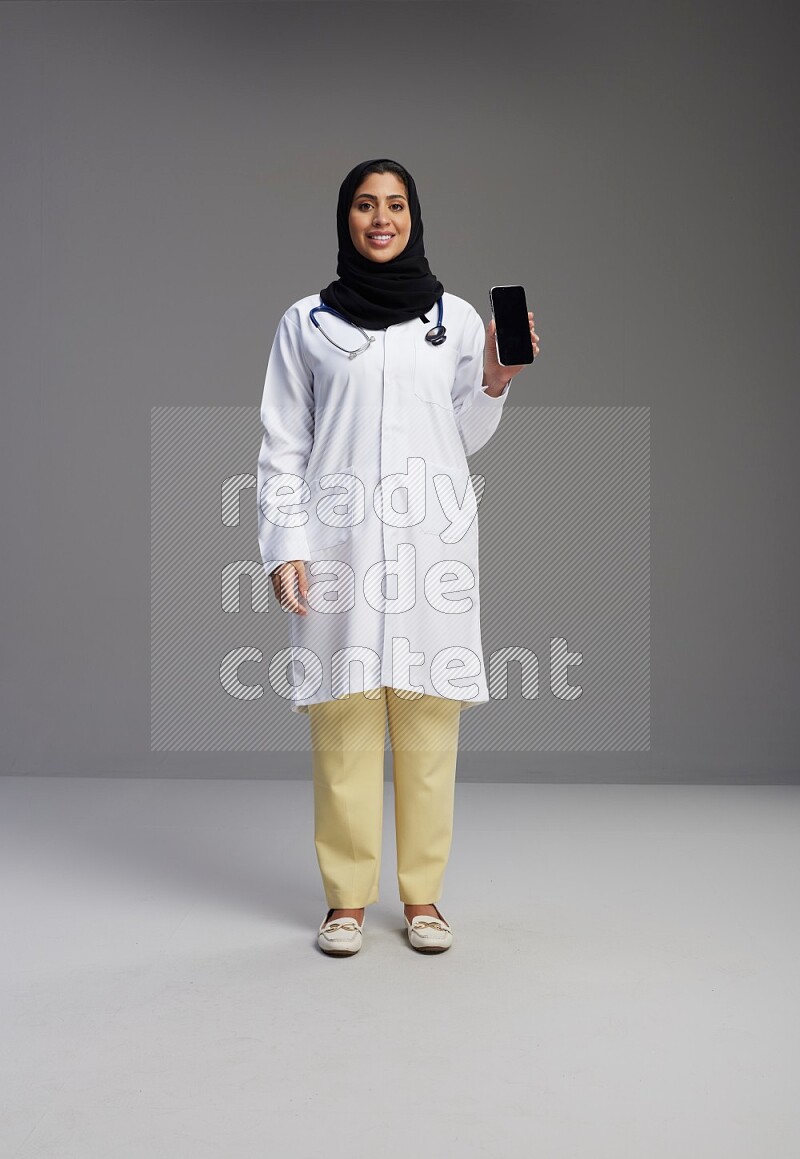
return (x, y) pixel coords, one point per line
(436, 335)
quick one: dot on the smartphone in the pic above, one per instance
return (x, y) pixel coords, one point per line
(513, 333)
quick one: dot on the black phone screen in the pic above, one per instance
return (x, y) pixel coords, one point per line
(513, 335)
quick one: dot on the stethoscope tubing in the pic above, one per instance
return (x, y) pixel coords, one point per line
(436, 335)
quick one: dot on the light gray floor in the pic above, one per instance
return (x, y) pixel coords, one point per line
(624, 978)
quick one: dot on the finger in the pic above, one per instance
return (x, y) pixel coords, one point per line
(288, 599)
(292, 603)
(302, 582)
(289, 603)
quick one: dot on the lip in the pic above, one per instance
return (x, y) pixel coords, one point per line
(382, 243)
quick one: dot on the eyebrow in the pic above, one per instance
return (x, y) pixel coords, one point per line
(372, 197)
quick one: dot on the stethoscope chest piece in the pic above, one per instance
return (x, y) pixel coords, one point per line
(436, 336)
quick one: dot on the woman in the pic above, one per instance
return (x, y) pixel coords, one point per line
(368, 528)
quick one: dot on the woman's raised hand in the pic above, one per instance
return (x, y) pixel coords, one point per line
(287, 581)
(494, 373)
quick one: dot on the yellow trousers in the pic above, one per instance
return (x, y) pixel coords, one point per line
(347, 737)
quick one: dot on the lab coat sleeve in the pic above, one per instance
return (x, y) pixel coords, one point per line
(477, 413)
(287, 419)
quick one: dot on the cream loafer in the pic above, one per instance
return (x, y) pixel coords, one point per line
(430, 935)
(340, 936)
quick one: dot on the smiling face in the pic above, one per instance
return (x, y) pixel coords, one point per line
(380, 219)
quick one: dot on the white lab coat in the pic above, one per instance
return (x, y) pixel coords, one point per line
(392, 567)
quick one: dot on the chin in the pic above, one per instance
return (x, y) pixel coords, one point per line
(382, 255)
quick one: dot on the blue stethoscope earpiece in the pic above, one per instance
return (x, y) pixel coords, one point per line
(436, 335)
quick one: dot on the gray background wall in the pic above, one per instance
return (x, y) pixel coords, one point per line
(169, 184)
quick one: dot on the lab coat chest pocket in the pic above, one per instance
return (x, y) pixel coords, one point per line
(434, 373)
(335, 504)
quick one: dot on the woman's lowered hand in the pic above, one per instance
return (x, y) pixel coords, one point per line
(287, 581)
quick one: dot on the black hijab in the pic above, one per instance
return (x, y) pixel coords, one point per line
(379, 294)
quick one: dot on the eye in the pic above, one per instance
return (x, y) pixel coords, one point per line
(367, 205)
